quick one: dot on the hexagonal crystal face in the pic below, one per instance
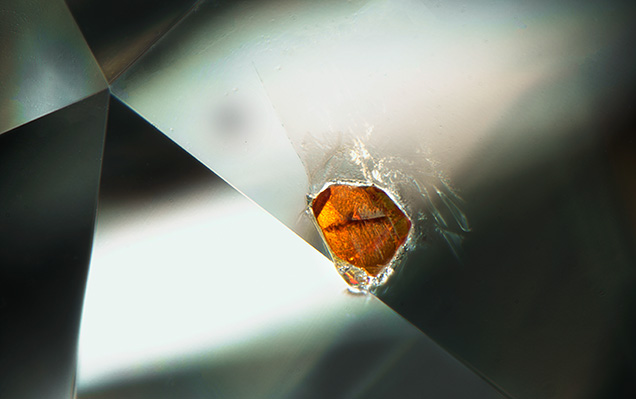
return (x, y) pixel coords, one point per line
(363, 228)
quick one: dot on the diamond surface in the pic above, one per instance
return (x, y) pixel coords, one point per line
(361, 225)
(525, 110)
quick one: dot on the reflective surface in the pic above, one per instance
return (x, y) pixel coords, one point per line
(510, 105)
(519, 114)
(49, 174)
(194, 290)
(45, 63)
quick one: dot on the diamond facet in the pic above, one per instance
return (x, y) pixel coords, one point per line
(361, 225)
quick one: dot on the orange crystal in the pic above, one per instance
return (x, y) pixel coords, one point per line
(361, 225)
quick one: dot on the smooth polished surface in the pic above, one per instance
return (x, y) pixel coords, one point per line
(45, 63)
(49, 175)
(194, 290)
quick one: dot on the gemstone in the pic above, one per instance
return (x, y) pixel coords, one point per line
(361, 225)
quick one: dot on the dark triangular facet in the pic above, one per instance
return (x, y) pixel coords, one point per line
(49, 174)
(120, 31)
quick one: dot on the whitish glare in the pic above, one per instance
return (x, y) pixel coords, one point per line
(184, 277)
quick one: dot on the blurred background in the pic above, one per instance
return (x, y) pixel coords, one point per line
(166, 212)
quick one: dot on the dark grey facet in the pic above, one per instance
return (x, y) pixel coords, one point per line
(49, 176)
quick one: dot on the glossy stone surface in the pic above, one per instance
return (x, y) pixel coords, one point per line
(361, 225)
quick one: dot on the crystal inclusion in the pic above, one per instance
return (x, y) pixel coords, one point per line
(362, 227)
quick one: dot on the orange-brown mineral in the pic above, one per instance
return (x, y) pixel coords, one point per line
(361, 225)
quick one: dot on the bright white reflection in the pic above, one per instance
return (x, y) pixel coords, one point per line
(180, 277)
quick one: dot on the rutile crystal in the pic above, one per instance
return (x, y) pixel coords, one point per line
(361, 225)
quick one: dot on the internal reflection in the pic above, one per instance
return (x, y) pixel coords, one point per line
(507, 107)
(194, 290)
